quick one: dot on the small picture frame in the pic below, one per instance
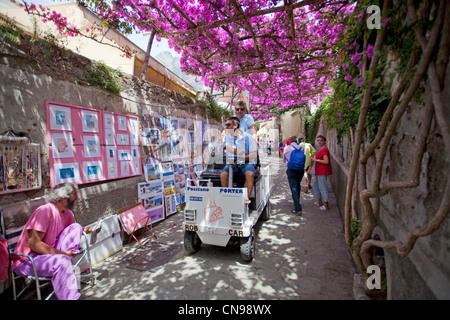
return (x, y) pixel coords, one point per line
(60, 118)
(89, 121)
(66, 172)
(62, 145)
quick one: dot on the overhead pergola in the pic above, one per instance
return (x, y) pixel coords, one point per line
(281, 52)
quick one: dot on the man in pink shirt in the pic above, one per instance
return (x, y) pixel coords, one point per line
(51, 236)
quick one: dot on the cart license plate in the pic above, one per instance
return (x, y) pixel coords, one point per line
(190, 227)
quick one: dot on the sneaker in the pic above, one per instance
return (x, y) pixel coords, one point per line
(323, 208)
(294, 211)
(299, 214)
(317, 203)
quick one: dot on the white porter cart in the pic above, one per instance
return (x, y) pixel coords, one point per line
(214, 215)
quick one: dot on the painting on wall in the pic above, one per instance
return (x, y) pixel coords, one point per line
(60, 118)
(62, 144)
(89, 121)
(104, 144)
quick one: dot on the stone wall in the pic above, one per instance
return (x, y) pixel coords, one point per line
(34, 72)
(425, 272)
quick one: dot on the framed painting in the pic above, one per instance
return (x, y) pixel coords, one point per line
(66, 172)
(62, 145)
(60, 117)
(89, 121)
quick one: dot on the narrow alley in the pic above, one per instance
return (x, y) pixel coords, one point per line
(296, 258)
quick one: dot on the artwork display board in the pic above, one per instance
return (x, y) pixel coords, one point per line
(175, 151)
(20, 167)
(150, 195)
(88, 145)
(168, 176)
(180, 183)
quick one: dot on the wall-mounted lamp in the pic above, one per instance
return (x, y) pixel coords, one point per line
(223, 86)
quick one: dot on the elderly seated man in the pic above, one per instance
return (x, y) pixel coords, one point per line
(51, 236)
(241, 146)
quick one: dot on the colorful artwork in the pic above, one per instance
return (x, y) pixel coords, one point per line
(152, 171)
(113, 171)
(62, 145)
(122, 123)
(60, 118)
(111, 154)
(151, 136)
(66, 172)
(89, 121)
(91, 146)
(98, 148)
(146, 189)
(109, 120)
(92, 170)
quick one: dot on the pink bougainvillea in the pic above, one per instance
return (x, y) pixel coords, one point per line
(282, 53)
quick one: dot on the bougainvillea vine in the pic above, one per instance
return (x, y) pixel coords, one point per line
(283, 53)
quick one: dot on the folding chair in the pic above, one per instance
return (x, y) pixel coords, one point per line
(12, 236)
(133, 218)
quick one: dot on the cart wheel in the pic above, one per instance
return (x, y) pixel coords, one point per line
(192, 242)
(248, 246)
(265, 215)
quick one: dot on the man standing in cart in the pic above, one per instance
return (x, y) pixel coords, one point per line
(241, 150)
(246, 122)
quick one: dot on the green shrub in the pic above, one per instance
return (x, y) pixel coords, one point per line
(105, 77)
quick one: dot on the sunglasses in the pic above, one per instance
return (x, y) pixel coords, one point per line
(228, 124)
(318, 140)
(240, 109)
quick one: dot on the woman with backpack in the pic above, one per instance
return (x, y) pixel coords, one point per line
(322, 166)
(294, 158)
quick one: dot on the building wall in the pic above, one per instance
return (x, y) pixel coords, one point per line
(293, 124)
(160, 75)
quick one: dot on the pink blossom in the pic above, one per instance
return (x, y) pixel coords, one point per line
(385, 21)
(355, 57)
(369, 51)
(222, 52)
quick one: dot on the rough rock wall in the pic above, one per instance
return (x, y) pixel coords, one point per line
(425, 272)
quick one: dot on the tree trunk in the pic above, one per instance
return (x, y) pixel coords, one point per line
(147, 55)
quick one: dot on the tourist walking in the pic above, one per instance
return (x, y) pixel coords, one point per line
(309, 152)
(294, 158)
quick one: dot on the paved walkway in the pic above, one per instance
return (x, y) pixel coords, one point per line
(296, 258)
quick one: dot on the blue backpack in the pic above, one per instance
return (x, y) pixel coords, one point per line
(297, 161)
